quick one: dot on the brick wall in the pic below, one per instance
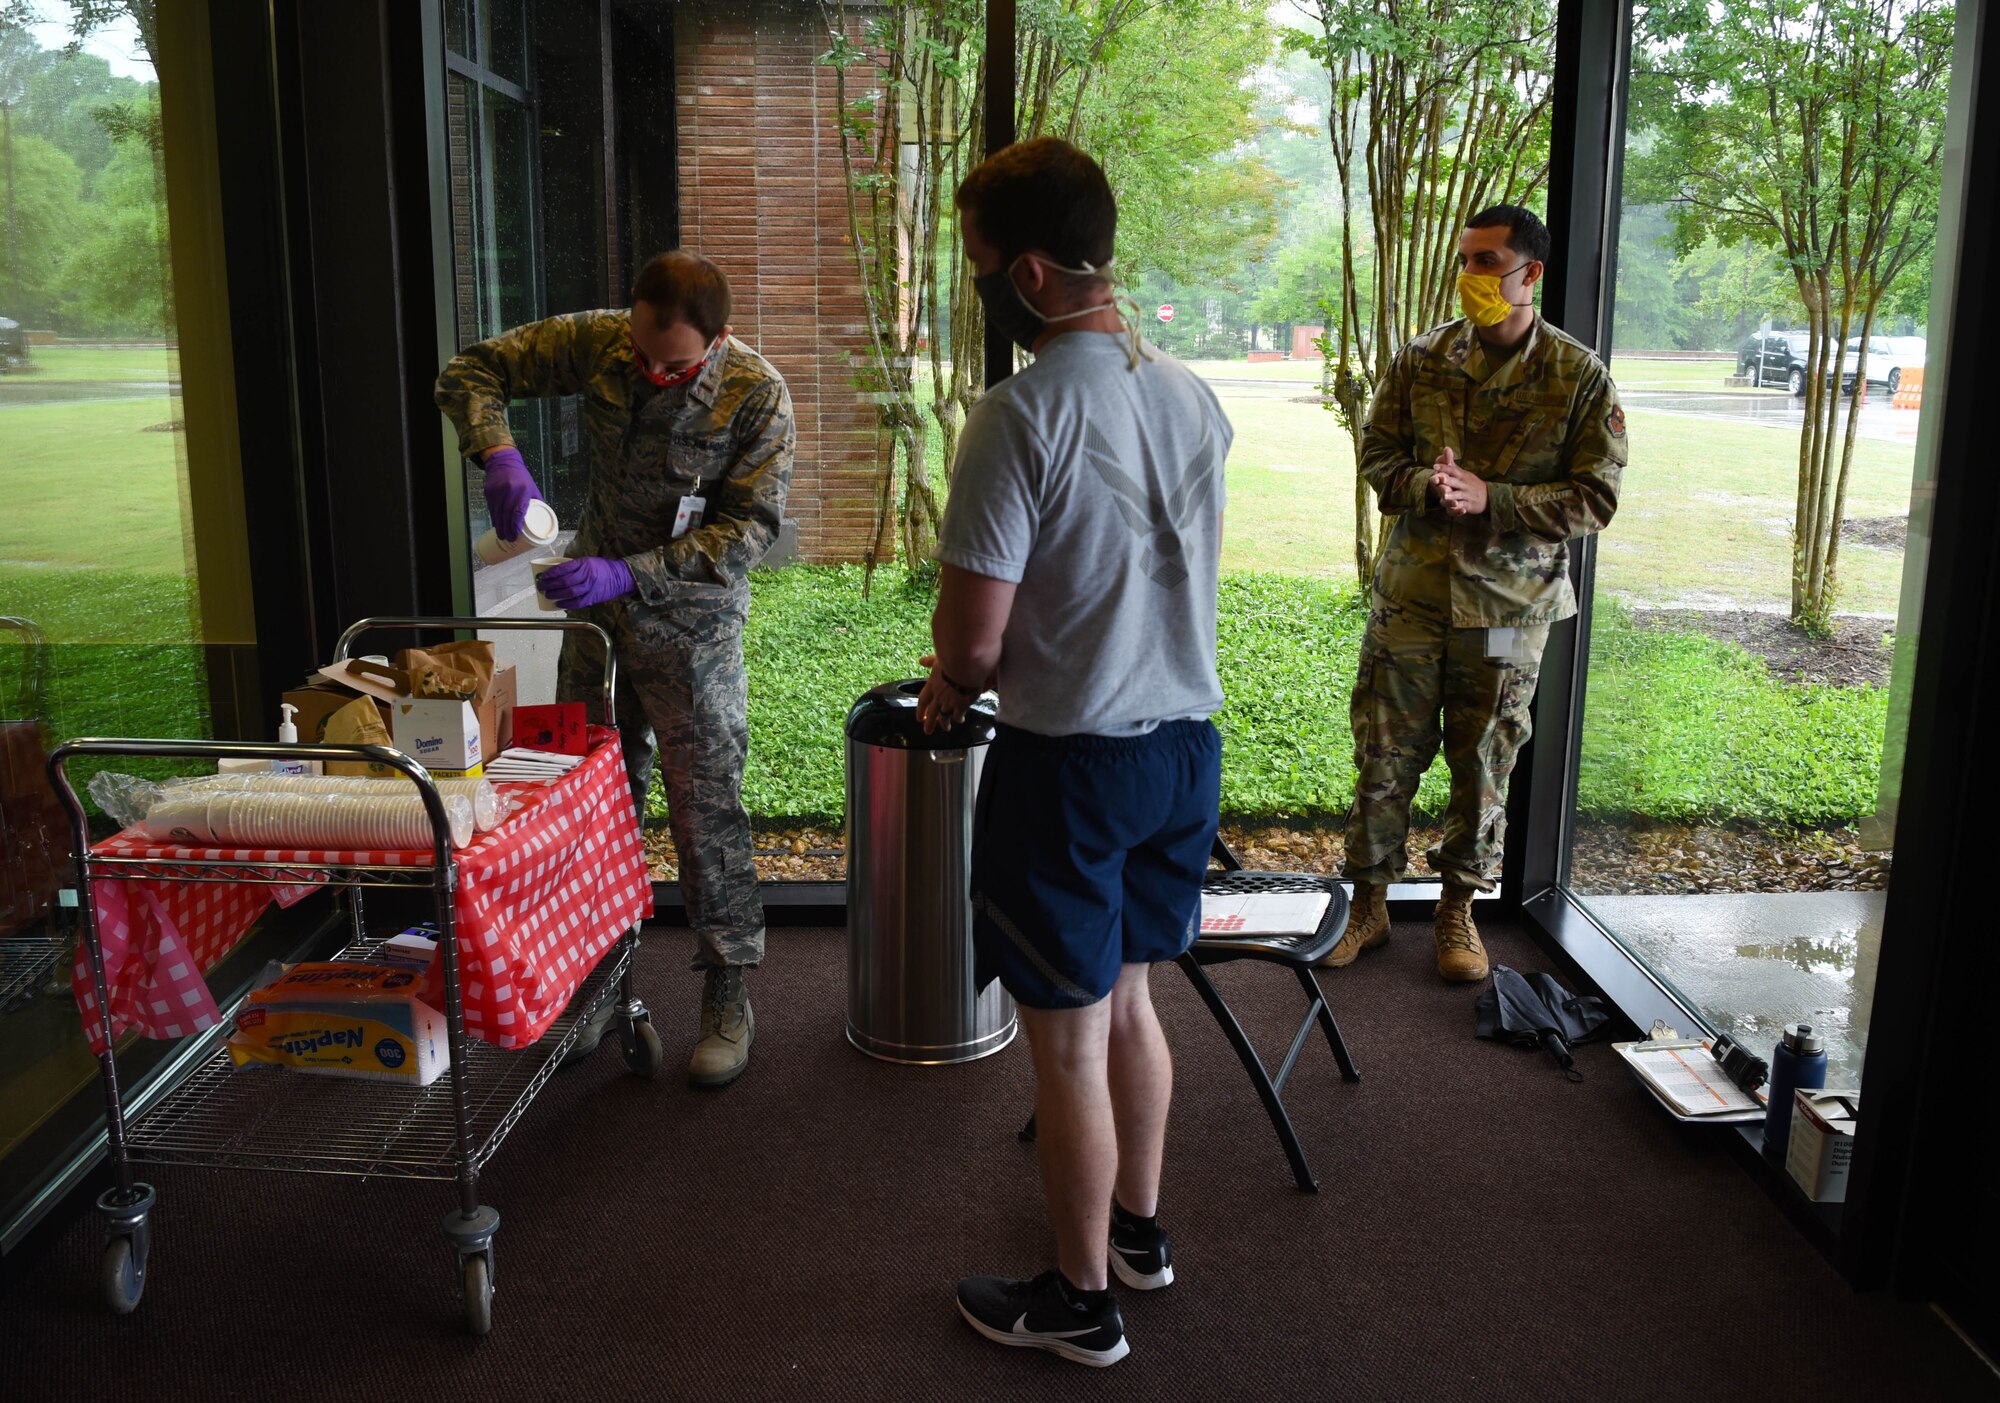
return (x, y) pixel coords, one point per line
(763, 193)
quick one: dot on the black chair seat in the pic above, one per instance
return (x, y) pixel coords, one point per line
(1303, 949)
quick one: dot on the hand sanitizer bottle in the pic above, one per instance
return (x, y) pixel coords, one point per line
(288, 734)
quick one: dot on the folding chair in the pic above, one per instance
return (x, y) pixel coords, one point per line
(1297, 953)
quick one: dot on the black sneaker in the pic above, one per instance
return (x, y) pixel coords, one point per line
(1140, 1253)
(1039, 1314)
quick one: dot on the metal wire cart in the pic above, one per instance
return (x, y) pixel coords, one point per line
(222, 1117)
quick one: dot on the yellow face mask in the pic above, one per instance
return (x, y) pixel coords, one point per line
(1480, 295)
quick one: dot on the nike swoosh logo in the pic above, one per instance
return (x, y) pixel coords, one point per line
(1021, 1328)
(1132, 1251)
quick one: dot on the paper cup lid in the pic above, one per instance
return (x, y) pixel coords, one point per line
(539, 524)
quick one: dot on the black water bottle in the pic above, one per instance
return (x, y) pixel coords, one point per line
(1799, 1060)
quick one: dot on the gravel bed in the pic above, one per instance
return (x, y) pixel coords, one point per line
(1608, 859)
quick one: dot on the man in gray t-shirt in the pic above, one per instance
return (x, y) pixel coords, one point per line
(1079, 550)
(1092, 482)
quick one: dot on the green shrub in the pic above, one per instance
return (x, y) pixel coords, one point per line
(1678, 726)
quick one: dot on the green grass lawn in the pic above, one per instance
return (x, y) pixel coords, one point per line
(1631, 372)
(91, 550)
(91, 547)
(90, 486)
(1705, 515)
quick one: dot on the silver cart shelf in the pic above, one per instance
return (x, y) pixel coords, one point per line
(223, 1117)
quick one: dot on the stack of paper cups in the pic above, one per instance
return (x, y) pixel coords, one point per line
(485, 799)
(538, 529)
(291, 819)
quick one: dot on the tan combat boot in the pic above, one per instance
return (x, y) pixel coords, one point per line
(1461, 958)
(727, 1027)
(1367, 926)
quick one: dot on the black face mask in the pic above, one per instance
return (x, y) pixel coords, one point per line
(1010, 312)
(1005, 312)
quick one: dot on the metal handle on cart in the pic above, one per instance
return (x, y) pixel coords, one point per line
(444, 878)
(245, 750)
(342, 650)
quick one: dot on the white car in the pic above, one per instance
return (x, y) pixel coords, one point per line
(1888, 358)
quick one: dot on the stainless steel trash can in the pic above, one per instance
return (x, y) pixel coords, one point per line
(909, 903)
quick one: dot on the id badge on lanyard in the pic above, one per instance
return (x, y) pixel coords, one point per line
(688, 515)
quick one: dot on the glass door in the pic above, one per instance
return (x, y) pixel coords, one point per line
(1754, 599)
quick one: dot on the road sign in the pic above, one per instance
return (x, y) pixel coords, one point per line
(1166, 312)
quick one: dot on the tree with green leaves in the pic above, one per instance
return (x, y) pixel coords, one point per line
(908, 81)
(106, 273)
(1438, 109)
(1152, 88)
(1814, 128)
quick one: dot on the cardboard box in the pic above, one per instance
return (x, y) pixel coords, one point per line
(334, 687)
(441, 735)
(317, 701)
(1822, 1144)
(496, 713)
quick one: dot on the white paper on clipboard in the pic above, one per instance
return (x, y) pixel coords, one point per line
(1685, 1078)
(1263, 913)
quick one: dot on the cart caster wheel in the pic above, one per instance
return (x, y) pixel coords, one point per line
(124, 1278)
(478, 1294)
(643, 1053)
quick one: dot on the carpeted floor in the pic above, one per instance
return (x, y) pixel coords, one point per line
(1486, 1230)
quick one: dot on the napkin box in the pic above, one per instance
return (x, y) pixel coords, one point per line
(344, 1019)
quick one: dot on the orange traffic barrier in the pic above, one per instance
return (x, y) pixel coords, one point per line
(1909, 389)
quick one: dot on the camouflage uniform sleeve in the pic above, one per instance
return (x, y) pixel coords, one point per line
(1389, 441)
(1583, 502)
(751, 505)
(552, 357)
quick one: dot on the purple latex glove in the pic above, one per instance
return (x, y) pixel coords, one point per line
(509, 489)
(587, 580)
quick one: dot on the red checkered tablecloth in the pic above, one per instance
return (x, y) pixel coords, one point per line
(540, 900)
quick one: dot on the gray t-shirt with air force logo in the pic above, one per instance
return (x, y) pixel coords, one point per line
(1097, 488)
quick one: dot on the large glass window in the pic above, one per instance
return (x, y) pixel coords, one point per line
(812, 149)
(1737, 790)
(123, 573)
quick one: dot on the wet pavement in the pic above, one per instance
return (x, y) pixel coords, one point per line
(1879, 418)
(1753, 963)
(22, 393)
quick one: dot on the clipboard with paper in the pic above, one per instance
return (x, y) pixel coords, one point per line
(1684, 1077)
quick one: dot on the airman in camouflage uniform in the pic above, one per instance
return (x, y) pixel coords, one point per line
(1461, 606)
(725, 435)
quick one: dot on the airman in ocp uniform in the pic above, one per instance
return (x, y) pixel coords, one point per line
(1492, 441)
(691, 457)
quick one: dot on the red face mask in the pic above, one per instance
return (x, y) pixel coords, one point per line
(667, 379)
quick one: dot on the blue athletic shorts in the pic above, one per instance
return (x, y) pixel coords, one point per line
(1087, 855)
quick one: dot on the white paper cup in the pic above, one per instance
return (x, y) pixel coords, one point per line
(539, 566)
(539, 528)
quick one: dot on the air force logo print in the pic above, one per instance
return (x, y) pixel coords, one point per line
(1159, 518)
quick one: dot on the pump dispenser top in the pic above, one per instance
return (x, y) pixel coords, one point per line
(288, 734)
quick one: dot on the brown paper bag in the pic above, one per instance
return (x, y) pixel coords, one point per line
(451, 670)
(358, 723)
